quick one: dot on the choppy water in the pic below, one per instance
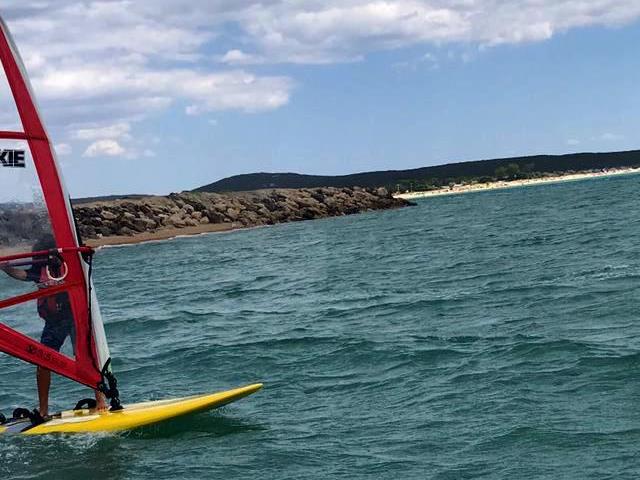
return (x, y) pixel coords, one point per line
(491, 335)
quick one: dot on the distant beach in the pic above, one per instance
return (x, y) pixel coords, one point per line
(479, 187)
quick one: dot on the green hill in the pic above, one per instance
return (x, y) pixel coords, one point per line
(427, 177)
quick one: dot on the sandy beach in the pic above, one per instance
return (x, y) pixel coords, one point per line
(479, 187)
(163, 234)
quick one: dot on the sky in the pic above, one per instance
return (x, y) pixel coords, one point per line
(155, 96)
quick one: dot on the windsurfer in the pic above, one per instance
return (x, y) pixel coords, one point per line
(56, 313)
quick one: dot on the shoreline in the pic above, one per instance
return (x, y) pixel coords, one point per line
(160, 235)
(503, 184)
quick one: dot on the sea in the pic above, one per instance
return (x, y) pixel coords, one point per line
(490, 335)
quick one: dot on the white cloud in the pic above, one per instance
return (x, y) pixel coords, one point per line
(572, 142)
(305, 31)
(104, 148)
(115, 131)
(229, 90)
(238, 57)
(428, 59)
(610, 137)
(150, 33)
(329, 31)
(63, 149)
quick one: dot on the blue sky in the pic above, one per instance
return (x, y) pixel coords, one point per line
(166, 95)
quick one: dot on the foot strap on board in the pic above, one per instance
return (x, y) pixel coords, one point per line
(89, 403)
(33, 416)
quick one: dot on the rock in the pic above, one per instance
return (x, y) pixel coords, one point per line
(94, 221)
(176, 220)
(107, 215)
(112, 226)
(233, 214)
(215, 217)
(271, 204)
(145, 224)
(382, 192)
(126, 231)
(87, 231)
(188, 209)
(318, 196)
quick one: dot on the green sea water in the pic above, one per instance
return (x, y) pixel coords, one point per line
(489, 335)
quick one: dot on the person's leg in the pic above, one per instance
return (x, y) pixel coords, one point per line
(43, 377)
(53, 336)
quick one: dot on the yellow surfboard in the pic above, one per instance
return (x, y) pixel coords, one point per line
(132, 416)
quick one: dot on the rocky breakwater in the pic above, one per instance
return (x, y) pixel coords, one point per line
(190, 213)
(20, 226)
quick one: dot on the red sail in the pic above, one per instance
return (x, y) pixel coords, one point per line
(28, 153)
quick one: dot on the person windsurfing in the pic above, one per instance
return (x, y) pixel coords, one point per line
(55, 310)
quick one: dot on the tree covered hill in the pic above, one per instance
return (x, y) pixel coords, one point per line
(435, 176)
